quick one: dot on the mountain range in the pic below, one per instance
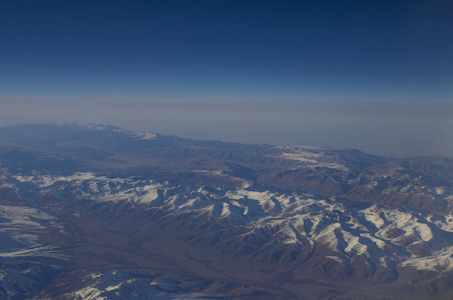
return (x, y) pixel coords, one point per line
(98, 212)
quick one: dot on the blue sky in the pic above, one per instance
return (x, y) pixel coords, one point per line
(374, 75)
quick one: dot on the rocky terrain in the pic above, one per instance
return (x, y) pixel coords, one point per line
(98, 212)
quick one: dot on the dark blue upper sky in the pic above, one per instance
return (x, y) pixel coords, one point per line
(228, 49)
(299, 52)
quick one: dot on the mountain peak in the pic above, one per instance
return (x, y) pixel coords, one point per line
(93, 126)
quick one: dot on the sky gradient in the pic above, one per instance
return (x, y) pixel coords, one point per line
(373, 75)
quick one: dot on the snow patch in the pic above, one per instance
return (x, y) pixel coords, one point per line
(311, 162)
(145, 135)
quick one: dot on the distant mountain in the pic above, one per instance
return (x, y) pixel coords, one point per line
(98, 212)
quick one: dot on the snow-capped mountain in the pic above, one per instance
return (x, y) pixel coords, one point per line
(102, 213)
